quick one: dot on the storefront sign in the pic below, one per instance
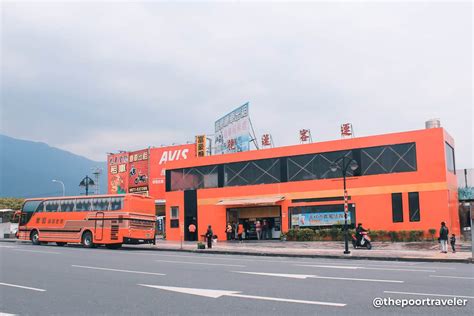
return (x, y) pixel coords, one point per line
(117, 173)
(233, 131)
(319, 219)
(201, 146)
(346, 130)
(305, 135)
(266, 140)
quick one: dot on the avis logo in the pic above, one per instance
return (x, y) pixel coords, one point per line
(172, 155)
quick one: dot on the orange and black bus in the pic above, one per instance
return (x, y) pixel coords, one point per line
(110, 220)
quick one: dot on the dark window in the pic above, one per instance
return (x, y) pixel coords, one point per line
(388, 159)
(67, 205)
(397, 208)
(252, 172)
(450, 162)
(32, 206)
(174, 223)
(51, 206)
(174, 212)
(194, 178)
(414, 206)
(83, 205)
(116, 204)
(100, 204)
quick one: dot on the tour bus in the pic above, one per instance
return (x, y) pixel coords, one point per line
(110, 220)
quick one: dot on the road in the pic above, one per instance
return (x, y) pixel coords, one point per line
(44, 280)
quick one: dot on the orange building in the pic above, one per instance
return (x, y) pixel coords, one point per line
(404, 181)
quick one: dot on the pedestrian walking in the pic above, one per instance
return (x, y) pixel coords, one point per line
(192, 232)
(443, 237)
(240, 231)
(258, 229)
(209, 235)
(264, 229)
(228, 231)
(453, 242)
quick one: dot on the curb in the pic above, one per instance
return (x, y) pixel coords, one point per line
(287, 255)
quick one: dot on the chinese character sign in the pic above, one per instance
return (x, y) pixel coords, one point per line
(305, 135)
(266, 140)
(201, 145)
(138, 171)
(319, 219)
(346, 130)
(232, 132)
(117, 173)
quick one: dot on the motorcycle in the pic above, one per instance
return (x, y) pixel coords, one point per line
(364, 241)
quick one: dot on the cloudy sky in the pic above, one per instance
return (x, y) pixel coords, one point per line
(95, 77)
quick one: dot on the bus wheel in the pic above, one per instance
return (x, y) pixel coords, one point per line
(60, 244)
(113, 246)
(87, 240)
(34, 236)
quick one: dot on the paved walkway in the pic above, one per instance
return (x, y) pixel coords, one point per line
(427, 251)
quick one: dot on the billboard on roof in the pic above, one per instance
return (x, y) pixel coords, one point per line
(232, 131)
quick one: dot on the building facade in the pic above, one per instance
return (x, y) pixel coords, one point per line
(404, 181)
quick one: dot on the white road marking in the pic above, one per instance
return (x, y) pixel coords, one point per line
(428, 294)
(2, 246)
(450, 277)
(220, 293)
(37, 251)
(202, 263)
(116, 270)
(362, 268)
(6, 314)
(22, 287)
(305, 276)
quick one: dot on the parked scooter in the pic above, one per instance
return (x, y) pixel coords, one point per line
(364, 241)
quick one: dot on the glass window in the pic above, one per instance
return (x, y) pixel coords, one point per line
(116, 204)
(32, 206)
(83, 205)
(388, 159)
(450, 162)
(67, 205)
(52, 206)
(252, 172)
(174, 212)
(100, 204)
(414, 206)
(194, 178)
(397, 208)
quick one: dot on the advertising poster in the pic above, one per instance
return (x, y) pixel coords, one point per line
(232, 132)
(117, 173)
(320, 219)
(159, 157)
(138, 171)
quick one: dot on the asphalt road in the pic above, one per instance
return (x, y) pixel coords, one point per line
(45, 280)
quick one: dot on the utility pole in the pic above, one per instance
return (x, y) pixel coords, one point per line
(96, 171)
(86, 182)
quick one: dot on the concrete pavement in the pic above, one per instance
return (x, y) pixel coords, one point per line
(71, 280)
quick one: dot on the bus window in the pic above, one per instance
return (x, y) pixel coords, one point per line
(100, 204)
(67, 205)
(116, 204)
(83, 205)
(28, 209)
(52, 206)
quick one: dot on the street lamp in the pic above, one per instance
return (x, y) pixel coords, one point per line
(346, 163)
(62, 183)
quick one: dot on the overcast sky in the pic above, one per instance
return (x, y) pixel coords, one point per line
(96, 77)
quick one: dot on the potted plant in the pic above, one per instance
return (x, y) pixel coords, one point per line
(201, 245)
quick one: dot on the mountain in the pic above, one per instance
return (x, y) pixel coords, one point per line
(27, 169)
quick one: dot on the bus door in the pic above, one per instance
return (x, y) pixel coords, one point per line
(99, 226)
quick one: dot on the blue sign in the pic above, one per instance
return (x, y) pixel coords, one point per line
(319, 219)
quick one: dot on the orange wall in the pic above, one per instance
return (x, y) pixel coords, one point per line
(371, 194)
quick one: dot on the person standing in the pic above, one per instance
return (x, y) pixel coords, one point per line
(258, 229)
(192, 232)
(443, 237)
(209, 235)
(228, 231)
(453, 242)
(240, 231)
(264, 229)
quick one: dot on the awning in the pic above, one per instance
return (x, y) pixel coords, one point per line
(272, 200)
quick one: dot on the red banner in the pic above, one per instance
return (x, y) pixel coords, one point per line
(138, 171)
(117, 167)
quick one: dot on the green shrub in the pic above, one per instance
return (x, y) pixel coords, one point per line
(393, 236)
(305, 234)
(382, 234)
(335, 233)
(432, 232)
(323, 233)
(416, 235)
(291, 234)
(317, 235)
(403, 235)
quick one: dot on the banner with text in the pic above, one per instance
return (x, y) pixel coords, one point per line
(138, 171)
(232, 132)
(117, 173)
(319, 219)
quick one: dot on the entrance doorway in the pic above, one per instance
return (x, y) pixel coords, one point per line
(268, 216)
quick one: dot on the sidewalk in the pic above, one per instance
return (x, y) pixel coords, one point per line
(399, 251)
(413, 251)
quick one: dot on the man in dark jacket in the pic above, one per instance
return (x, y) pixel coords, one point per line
(209, 235)
(443, 237)
(359, 231)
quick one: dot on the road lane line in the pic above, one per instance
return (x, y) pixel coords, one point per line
(22, 287)
(362, 268)
(428, 294)
(2, 246)
(38, 251)
(266, 298)
(306, 276)
(116, 270)
(450, 277)
(202, 263)
(6, 314)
